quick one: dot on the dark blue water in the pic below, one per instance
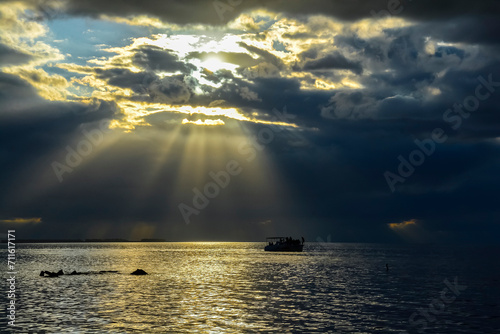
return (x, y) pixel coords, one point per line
(239, 288)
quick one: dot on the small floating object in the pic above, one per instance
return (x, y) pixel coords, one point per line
(139, 272)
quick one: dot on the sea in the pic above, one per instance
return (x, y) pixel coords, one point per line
(237, 287)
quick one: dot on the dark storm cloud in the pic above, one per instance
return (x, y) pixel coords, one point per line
(155, 58)
(265, 89)
(14, 90)
(467, 29)
(9, 56)
(201, 11)
(22, 107)
(148, 86)
(333, 61)
(170, 90)
(265, 55)
(121, 77)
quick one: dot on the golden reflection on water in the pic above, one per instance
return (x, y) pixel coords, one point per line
(191, 287)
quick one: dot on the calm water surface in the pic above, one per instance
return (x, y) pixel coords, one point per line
(239, 288)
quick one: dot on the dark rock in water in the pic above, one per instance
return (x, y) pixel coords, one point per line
(74, 272)
(139, 272)
(49, 274)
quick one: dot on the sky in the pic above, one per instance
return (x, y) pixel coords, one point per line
(234, 120)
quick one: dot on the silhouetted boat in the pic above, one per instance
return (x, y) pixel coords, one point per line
(283, 244)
